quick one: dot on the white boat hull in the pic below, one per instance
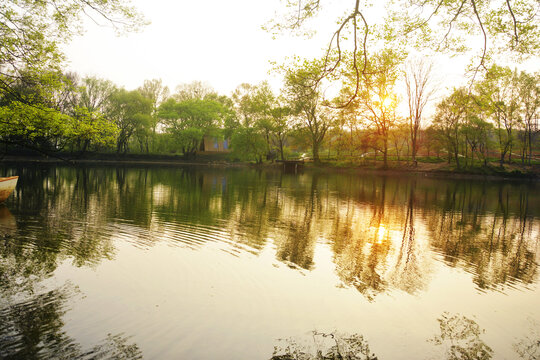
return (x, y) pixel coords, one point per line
(7, 185)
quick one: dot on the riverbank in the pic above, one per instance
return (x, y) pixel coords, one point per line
(432, 169)
(441, 170)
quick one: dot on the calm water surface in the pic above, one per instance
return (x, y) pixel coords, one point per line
(202, 263)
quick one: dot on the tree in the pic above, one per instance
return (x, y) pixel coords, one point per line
(347, 132)
(91, 104)
(89, 128)
(188, 121)
(377, 97)
(280, 118)
(95, 94)
(449, 119)
(254, 105)
(433, 140)
(477, 132)
(529, 99)
(248, 143)
(34, 113)
(400, 136)
(304, 96)
(157, 93)
(131, 112)
(499, 92)
(30, 57)
(417, 80)
(32, 32)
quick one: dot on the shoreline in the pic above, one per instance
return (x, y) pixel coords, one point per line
(438, 170)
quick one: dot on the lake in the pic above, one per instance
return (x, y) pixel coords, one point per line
(241, 263)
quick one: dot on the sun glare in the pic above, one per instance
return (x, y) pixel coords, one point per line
(387, 101)
(381, 233)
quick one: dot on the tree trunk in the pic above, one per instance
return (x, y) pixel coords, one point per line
(315, 151)
(529, 137)
(456, 154)
(413, 144)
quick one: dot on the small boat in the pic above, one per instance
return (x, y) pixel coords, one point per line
(7, 185)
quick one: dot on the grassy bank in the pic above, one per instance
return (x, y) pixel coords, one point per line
(431, 166)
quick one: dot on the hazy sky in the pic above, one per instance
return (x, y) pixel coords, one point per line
(219, 42)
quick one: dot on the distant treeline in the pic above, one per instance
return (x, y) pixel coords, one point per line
(497, 118)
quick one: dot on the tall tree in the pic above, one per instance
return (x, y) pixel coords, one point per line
(32, 33)
(304, 95)
(95, 94)
(449, 118)
(131, 112)
(190, 120)
(418, 75)
(378, 98)
(529, 98)
(499, 90)
(281, 129)
(157, 93)
(254, 104)
(34, 113)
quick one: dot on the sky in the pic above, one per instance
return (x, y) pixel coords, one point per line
(214, 41)
(219, 42)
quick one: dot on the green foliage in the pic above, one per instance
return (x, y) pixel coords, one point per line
(32, 32)
(508, 102)
(91, 128)
(449, 119)
(131, 112)
(304, 98)
(188, 121)
(248, 143)
(40, 107)
(377, 101)
(94, 94)
(34, 113)
(36, 126)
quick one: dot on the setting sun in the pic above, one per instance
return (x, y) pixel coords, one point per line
(381, 233)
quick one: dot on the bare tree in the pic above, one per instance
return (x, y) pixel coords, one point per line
(418, 79)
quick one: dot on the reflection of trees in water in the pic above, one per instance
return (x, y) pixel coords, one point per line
(496, 246)
(51, 224)
(371, 222)
(460, 337)
(411, 270)
(296, 242)
(34, 329)
(322, 346)
(377, 249)
(362, 259)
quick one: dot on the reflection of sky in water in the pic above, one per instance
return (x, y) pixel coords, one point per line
(185, 264)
